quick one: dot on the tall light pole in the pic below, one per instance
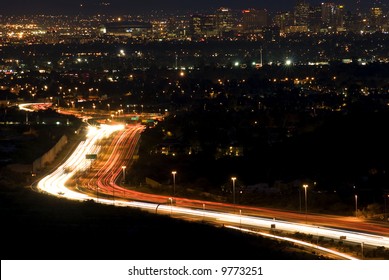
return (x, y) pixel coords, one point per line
(233, 188)
(356, 206)
(174, 182)
(305, 186)
(124, 173)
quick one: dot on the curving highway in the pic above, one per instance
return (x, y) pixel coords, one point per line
(96, 179)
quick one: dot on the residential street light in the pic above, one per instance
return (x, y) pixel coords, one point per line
(174, 182)
(356, 206)
(124, 173)
(233, 188)
(305, 186)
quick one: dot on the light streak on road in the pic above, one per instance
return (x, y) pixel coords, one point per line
(296, 241)
(55, 182)
(266, 223)
(31, 107)
(110, 170)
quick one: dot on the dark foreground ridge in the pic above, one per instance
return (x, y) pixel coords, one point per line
(36, 226)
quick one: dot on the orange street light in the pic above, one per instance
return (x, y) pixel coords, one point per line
(305, 186)
(124, 173)
(174, 182)
(233, 189)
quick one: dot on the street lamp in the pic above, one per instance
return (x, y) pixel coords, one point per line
(305, 186)
(356, 206)
(124, 173)
(174, 182)
(233, 188)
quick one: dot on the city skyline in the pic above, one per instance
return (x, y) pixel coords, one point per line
(128, 7)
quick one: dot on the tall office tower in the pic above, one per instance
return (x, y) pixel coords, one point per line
(209, 27)
(177, 27)
(283, 21)
(314, 20)
(195, 25)
(332, 16)
(353, 22)
(327, 13)
(203, 26)
(376, 18)
(254, 20)
(224, 20)
(301, 13)
(171, 28)
(339, 17)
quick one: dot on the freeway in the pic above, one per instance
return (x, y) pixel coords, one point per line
(97, 181)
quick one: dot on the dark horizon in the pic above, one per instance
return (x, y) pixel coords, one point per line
(68, 7)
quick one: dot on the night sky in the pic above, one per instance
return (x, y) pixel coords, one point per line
(133, 6)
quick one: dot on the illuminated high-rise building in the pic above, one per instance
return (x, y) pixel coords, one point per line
(196, 22)
(224, 20)
(327, 13)
(353, 22)
(314, 20)
(254, 20)
(204, 26)
(332, 16)
(376, 18)
(283, 21)
(301, 13)
(339, 17)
